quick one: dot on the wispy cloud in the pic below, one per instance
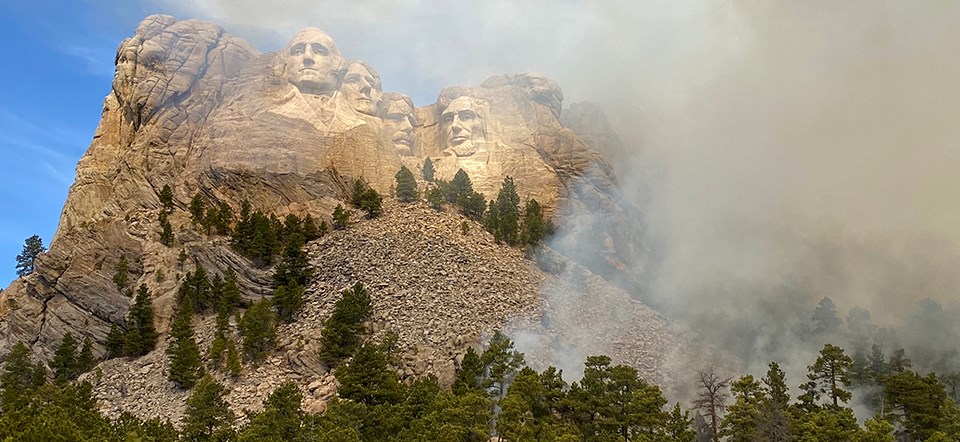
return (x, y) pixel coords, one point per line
(95, 61)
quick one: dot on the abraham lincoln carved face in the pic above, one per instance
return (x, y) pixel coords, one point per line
(462, 122)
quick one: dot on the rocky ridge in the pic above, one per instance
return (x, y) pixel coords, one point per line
(441, 291)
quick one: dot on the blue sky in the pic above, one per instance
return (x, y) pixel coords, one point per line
(57, 70)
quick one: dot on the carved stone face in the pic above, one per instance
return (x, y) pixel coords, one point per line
(311, 62)
(543, 90)
(398, 121)
(461, 122)
(361, 86)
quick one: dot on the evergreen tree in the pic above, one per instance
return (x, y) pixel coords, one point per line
(233, 359)
(459, 188)
(218, 348)
(356, 195)
(198, 209)
(294, 267)
(32, 248)
(281, 418)
(501, 362)
(258, 327)
(341, 333)
(230, 296)
(679, 426)
(166, 198)
(468, 376)
(166, 230)
(65, 364)
(367, 379)
(825, 318)
(428, 170)
(774, 422)
(85, 361)
(508, 213)
(16, 380)
(918, 402)
(740, 423)
(534, 228)
(435, 197)
(473, 206)
(830, 372)
(341, 217)
(115, 342)
(288, 300)
(121, 275)
(208, 416)
(406, 190)
(183, 352)
(310, 229)
(372, 203)
(324, 227)
(140, 322)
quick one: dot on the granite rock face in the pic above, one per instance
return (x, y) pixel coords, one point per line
(205, 112)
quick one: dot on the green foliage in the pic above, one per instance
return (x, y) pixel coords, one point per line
(341, 217)
(166, 198)
(503, 217)
(827, 424)
(877, 430)
(534, 228)
(59, 412)
(32, 248)
(16, 380)
(141, 333)
(166, 230)
(281, 418)
(293, 268)
(372, 203)
(468, 376)
(324, 228)
(406, 190)
(341, 333)
(257, 236)
(183, 353)
(310, 229)
(258, 327)
(233, 359)
(121, 275)
(197, 209)
(208, 416)
(218, 348)
(428, 170)
(288, 300)
(918, 402)
(825, 318)
(435, 197)
(830, 372)
(115, 342)
(65, 362)
(740, 423)
(85, 360)
(501, 362)
(367, 378)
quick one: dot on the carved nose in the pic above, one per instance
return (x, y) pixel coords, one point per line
(406, 126)
(308, 61)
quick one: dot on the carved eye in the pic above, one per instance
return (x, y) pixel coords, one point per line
(467, 115)
(319, 49)
(297, 50)
(447, 118)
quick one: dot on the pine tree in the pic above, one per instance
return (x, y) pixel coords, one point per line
(85, 361)
(356, 195)
(231, 296)
(197, 209)
(341, 333)
(825, 318)
(16, 380)
(233, 359)
(183, 352)
(121, 276)
(341, 217)
(740, 423)
(435, 197)
(218, 347)
(32, 248)
(288, 300)
(140, 323)
(501, 362)
(64, 364)
(372, 203)
(166, 198)
(406, 185)
(208, 416)
(367, 379)
(258, 327)
(468, 376)
(166, 230)
(830, 373)
(115, 342)
(428, 170)
(324, 227)
(281, 418)
(310, 230)
(507, 223)
(534, 228)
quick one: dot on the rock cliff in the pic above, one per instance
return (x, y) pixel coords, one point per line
(205, 112)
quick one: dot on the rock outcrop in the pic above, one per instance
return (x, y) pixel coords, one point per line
(206, 113)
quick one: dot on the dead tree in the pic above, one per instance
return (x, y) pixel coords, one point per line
(712, 396)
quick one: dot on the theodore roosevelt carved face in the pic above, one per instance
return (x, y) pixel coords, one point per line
(396, 110)
(312, 62)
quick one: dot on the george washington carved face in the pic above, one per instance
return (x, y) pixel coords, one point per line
(361, 87)
(312, 62)
(461, 122)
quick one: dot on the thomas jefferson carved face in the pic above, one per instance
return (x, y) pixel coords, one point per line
(398, 121)
(312, 62)
(461, 121)
(361, 86)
